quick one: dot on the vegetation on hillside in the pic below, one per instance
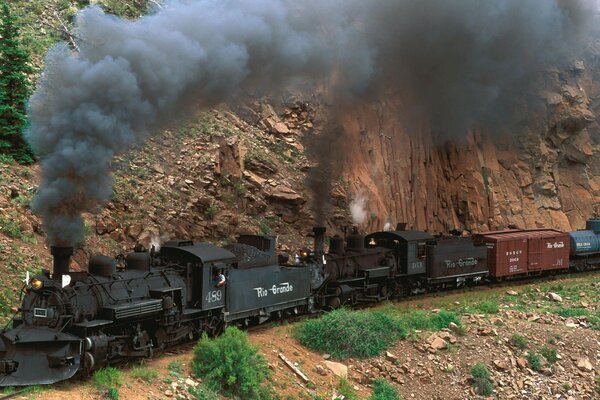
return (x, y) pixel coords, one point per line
(346, 333)
(27, 30)
(14, 88)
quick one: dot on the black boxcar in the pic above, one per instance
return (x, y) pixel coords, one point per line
(455, 260)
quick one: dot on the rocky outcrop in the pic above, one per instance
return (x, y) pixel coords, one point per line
(546, 174)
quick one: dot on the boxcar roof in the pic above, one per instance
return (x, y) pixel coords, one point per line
(522, 234)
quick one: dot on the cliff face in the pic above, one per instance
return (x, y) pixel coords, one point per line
(545, 174)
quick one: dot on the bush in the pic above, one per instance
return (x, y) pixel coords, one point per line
(113, 394)
(107, 380)
(549, 354)
(598, 384)
(144, 374)
(481, 380)
(519, 341)
(345, 333)
(230, 363)
(383, 390)
(534, 360)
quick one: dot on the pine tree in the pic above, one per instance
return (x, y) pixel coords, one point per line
(14, 88)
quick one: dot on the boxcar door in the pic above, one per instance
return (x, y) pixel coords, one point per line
(534, 256)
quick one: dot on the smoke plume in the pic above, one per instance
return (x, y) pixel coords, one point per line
(459, 61)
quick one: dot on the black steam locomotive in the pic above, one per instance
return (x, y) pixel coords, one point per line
(74, 322)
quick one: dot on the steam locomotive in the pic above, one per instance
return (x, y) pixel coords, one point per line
(75, 322)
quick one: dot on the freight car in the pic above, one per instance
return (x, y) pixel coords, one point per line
(525, 252)
(585, 246)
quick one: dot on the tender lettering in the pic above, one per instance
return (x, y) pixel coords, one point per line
(461, 263)
(283, 287)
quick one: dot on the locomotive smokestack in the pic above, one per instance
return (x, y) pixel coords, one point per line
(62, 259)
(319, 232)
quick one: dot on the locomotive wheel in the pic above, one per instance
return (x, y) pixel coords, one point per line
(384, 292)
(334, 302)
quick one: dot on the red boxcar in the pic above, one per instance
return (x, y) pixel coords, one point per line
(522, 252)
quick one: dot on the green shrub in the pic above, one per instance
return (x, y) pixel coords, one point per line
(481, 380)
(442, 319)
(144, 374)
(345, 333)
(107, 380)
(229, 362)
(519, 341)
(534, 360)
(598, 384)
(549, 354)
(383, 390)
(210, 212)
(346, 390)
(487, 307)
(113, 394)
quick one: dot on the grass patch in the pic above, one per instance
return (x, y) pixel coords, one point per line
(346, 390)
(383, 390)
(144, 374)
(345, 333)
(107, 380)
(598, 384)
(519, 341)
(426, 321)
(534, 360)
(488, 307)
(175, 369)
(481, 380)
(229, 362)
(549, 354)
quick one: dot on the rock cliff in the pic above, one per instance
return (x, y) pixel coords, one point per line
(544, 174)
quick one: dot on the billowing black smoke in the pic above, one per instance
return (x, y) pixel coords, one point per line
(457, 60)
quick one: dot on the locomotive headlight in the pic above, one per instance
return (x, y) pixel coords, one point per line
(37, 284)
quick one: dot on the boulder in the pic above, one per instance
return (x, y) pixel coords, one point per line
(584, 364)
(284, 194)
(337, 368)
(555, 297)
